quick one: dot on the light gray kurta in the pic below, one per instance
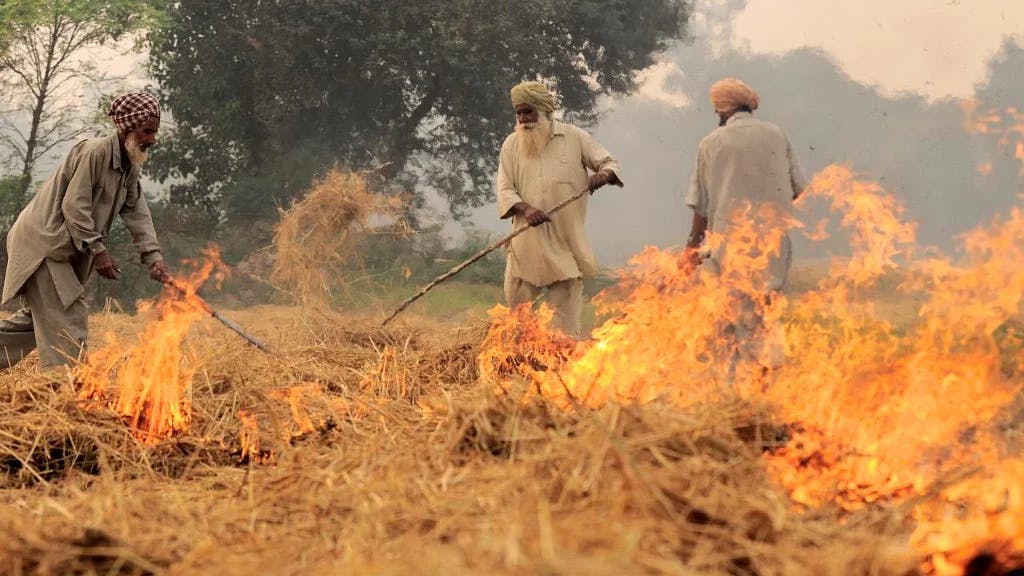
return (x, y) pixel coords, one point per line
(746, 162)
(75, 208)
(557, 250)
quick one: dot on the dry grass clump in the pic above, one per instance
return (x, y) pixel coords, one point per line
(674, 492)
(383, 452)
(318, 234)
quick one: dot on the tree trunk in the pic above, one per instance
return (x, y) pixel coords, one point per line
(32, 142)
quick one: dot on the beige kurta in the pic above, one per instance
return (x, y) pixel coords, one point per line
(747, 161)
(557, 250)
(76, 208)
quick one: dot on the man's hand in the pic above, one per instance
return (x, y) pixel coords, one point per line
(597, 180)
(105, 265)
(689, 260)
(158, 271)
(534, 216)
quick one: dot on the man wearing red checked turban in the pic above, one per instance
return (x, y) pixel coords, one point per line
(58, 239)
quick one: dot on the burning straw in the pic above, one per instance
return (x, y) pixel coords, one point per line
(398, 460)
(877, 415)
(318, 235)
(149, 382)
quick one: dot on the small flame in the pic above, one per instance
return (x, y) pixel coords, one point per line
(1006, 125)
(299, 399)
(249, 439)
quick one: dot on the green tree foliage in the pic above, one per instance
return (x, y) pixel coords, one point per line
(267, 94)
(10, 202)
(43, 70)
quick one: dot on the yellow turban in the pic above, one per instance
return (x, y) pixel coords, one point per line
(535, 94)
(730, 93)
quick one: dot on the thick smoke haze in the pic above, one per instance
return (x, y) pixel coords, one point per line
(837, 105)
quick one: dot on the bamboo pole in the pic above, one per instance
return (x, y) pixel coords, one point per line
(230, 324)
(483, 252)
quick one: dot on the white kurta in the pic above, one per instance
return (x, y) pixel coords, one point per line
(557, 250)
(746, 162)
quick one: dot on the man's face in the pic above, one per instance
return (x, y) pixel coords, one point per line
(527, 116)
(145, 135)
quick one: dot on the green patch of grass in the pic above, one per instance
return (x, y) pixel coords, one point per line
(451, 300)
(446, 301)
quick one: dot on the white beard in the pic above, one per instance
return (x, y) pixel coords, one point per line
(532, 138)
(136, 154)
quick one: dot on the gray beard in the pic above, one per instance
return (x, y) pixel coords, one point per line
(532, 141)
(136, 154)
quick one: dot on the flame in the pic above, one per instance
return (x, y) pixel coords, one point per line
(877, 412)
(149, 382)
(980, 514)
(249, 440)
(1006, 125)
(300, 398)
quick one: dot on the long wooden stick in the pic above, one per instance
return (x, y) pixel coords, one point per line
(229, 323)
(483, 252)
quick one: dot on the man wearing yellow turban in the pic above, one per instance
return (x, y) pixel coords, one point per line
(59, 239)
(543, 162)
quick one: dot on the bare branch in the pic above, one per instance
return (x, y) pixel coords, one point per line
(15, 146)
(14, 127)
(32, 41)
(72, 135)
(29, 84)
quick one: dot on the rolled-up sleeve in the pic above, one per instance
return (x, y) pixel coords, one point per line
(507, 193)
(139, 222)
(76, 206)
(598, 159)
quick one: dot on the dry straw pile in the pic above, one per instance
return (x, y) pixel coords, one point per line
(358, 450)
(383, 452)
(317, 236)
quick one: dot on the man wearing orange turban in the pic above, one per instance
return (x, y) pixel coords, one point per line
(745, 181)
(730, 95)
(745, 163)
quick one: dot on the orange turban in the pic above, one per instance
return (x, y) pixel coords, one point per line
(729, 94)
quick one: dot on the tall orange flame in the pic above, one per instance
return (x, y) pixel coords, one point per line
(148, 382)
(877, 411)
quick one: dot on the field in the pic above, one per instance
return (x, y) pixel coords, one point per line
(370, 451)
(869, 420)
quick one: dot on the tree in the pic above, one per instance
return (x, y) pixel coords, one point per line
(42, 43)
(267, 94)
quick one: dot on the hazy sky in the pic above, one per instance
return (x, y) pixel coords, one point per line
(933, 47)
(936, 48)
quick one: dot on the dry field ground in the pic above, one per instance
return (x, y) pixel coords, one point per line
(362, 451)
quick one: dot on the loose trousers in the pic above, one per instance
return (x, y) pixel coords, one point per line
(564, 297)
(59, 333)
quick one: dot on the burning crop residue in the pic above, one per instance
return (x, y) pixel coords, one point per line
(148, 382)
(878, 413)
